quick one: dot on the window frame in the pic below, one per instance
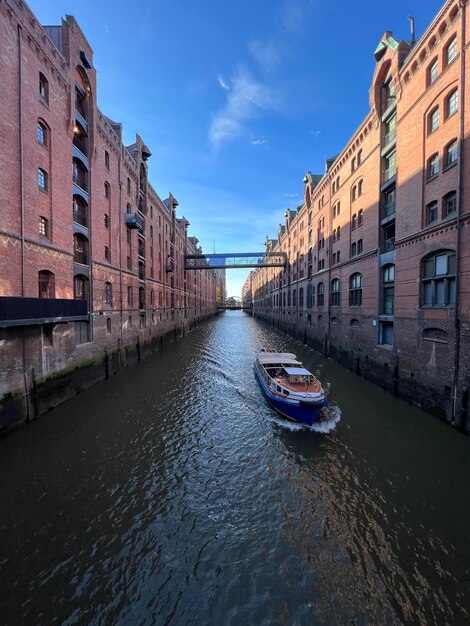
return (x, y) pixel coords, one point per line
(355, 290)
(439, 283)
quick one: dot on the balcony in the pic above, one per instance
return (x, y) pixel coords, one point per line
(81, 180)
(389, 209)
(141, 249)
(170, 265)
(81, 144)
(389, 244)
(390, 136)
(15, 311)
(80, 216)
(80, 106)
(389, 173)
(134, 220)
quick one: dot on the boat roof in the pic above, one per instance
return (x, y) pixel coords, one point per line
(297, 371)
(277, 358)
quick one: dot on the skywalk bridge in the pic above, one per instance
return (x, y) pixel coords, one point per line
(234, 260)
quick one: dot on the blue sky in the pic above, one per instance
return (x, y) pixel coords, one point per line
(236, 100)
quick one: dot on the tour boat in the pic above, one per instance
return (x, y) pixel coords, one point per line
(291, 390)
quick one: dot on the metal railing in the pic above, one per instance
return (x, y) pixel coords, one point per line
(80, 256)
(390, 136)
(389, 209)
(389, 244)
(389, 173)
(81, 180)
(81, 145)
(80, 217)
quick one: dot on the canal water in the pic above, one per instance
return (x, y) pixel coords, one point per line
(172, 494)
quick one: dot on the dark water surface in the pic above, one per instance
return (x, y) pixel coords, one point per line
(173, 495)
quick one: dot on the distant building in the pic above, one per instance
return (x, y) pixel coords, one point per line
(379, 251)
(91, 258)
(247, 291)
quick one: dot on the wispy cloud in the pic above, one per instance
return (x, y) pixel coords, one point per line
(291, 195)
(266, 53)
(245, 98)
(222, 83)
(315, 133)
(261, 141)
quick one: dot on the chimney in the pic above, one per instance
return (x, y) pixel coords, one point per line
(412, 27)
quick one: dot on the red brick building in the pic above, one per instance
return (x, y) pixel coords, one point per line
(91, 258)
(379, 252)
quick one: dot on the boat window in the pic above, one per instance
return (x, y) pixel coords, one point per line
(279, 389)
(285, 392)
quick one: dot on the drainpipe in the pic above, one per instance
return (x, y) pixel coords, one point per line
(120, 244)
(463, 5)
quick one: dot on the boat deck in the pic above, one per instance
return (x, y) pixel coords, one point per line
(312, 387)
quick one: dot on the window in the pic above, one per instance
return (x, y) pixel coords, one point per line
(360, 217)
(294, 298)
(43, 226)
(354, 193)
(107, 254)
(128, 185)
(431, 212)
(438, 279)
(435, 334)
(433, 72)
(106, 220)
(450, 203)
(359, 157)
(335, 292)
(334, 235)
(107, 190)
(46, 284)
(360, 188)
(389, 202)
(80, 249)
(390, 129)
(309, 296)
(451, 153)
(353, 249)
(321, 294)
(390, 163)
(43, 88)
(386, 333)
(433, 120)
(359, 246)
(354, 222)
(355, 290)
(80, 287)
(42, 179)
(108, 325)
(288, 298)
(42, 134)
(353, 164)
(301, 297)
(452, 103)
(388, 289)
(80, 211)
(433, 166)
(129, 296)
(108, 294)
(451, 51)
(106, 159)
(338, 233)
(338, 256)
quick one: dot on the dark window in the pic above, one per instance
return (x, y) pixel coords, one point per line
(301, 297)
(309, 296)
(107, 190)
(335, 292)
(360, 188)
(106, 159)
(80, 249)
(431, 212)
(106, 220)
(353, 249)
(355, 290)
(321, 294)
(46, 284)
(435, 334)
(388, 289)
(80, 211)
(354, 222)
(108, 325)
(129, 186)
(386, 333)
(359, 246)
(43, 87)
(360, 217)
(438, 279)
(450, 203)
(80, 287)
(42, 179)
(42, 134)
(129, 296)
(294, 298)
(107, 254)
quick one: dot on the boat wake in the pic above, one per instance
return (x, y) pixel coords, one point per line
(331, 415)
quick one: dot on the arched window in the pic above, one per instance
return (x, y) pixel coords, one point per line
(80, 249)
(129, 296)
(431, 212)
(354, 323)
(435, 334)
(452, 103)
(335, 292)
(354, 222)
(43, 87)
(108, 293)
(46, 284)
(80, 287)
(451, 50)
(354, 193)
(438, 279)
(142, 298)
(388, 289)
(288, 298)
(360, 217)
(43, 226)
(320, 294)
(353, 164)
(42, 133)
(309, 296)
(451, 153)
(107, 191)
(301, 297)
(338, 233)
(433, 120)
(79, 174)
(128, 185)
(284, 299)
(80, 211)
(80, 139)
(433, 166)
(359, 246)
(449, 203)
(42, 179)
(353, 249)
(359, 157)
(360, 188)
(433, 71)
(355, 290)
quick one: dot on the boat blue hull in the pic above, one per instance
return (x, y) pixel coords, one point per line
(291, 409)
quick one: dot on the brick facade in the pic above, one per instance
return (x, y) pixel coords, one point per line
(80, 220)
(379, 252)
